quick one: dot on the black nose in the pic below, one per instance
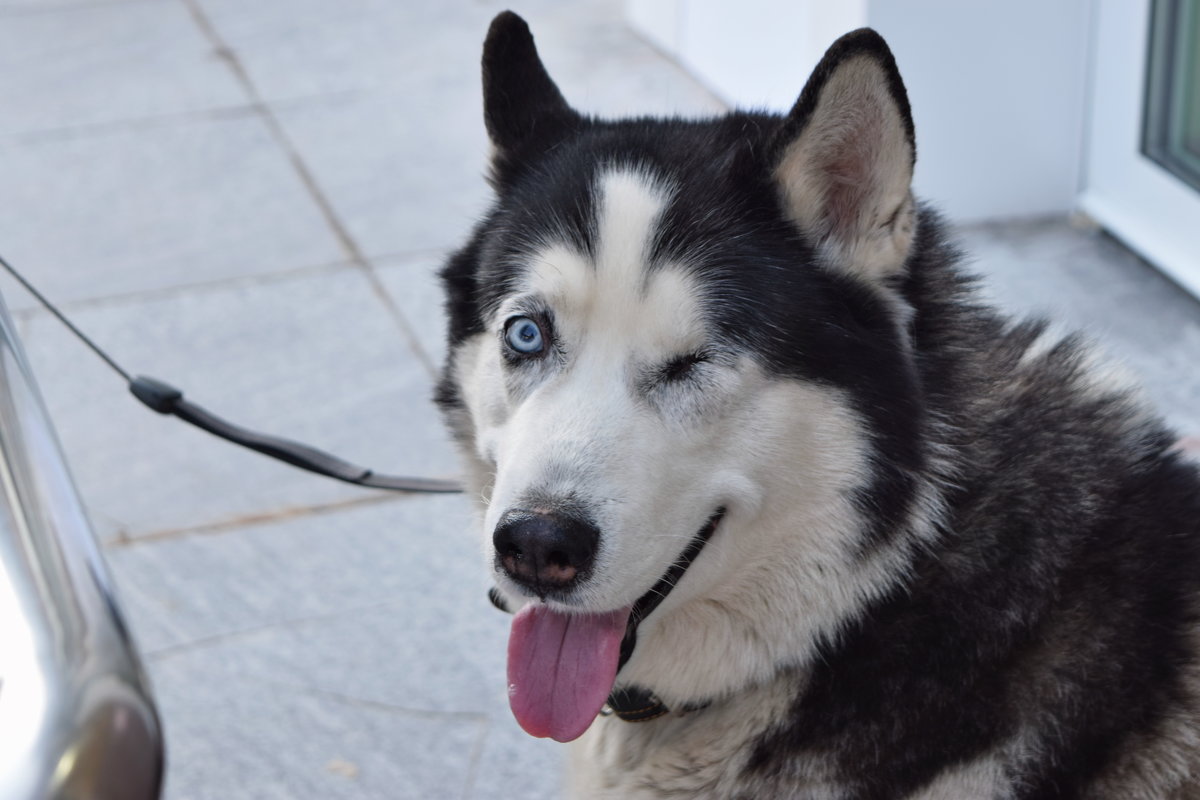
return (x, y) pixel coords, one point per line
(543, 550)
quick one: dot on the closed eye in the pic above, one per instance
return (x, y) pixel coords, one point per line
(681, 367)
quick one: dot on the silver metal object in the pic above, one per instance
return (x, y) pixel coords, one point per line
(77, 719)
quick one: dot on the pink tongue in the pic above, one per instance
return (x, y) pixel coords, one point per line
(561, 668)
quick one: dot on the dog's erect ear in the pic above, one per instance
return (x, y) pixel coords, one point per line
(844, 159)
(520, 102)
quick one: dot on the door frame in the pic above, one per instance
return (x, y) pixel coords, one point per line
(1140, 202)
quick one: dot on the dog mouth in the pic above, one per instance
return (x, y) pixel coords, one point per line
(562, 666)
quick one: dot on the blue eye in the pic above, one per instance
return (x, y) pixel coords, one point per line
(524, 335)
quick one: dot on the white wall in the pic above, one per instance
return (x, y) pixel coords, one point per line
(753, 55)
(997, 89)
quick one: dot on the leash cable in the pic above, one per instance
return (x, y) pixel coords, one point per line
(166, 399)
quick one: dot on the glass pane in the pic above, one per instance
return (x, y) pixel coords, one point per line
(1171, 130)
(1189, 86)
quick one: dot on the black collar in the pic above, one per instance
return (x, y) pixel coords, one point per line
(633, 703)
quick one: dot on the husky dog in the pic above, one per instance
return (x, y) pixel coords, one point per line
(781, 508)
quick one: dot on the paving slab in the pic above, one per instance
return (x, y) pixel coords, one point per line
(315, 357)
(404, 170)
(385, 603)
(230, 735)
(198, 587)
(20, 7)
(603, 67)
(515, 765)
(414, 286)
(138, 209)
(74, 65)
(308, 47)
(311, 47)
(435, 655)
(399, 146)
(381, 607)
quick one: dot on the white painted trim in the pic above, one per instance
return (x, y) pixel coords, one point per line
(1153, 239)
(1141, 203)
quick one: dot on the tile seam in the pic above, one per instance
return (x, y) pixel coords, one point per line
(254, 520)
(308, 179)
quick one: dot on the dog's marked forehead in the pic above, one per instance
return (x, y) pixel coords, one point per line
(615, 286)
(630, 206)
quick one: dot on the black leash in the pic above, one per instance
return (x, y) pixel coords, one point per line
(166, 399)
(635, 703)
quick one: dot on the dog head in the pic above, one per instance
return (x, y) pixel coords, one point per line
(674, 340)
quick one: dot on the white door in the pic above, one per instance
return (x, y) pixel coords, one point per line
(1142, 176)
